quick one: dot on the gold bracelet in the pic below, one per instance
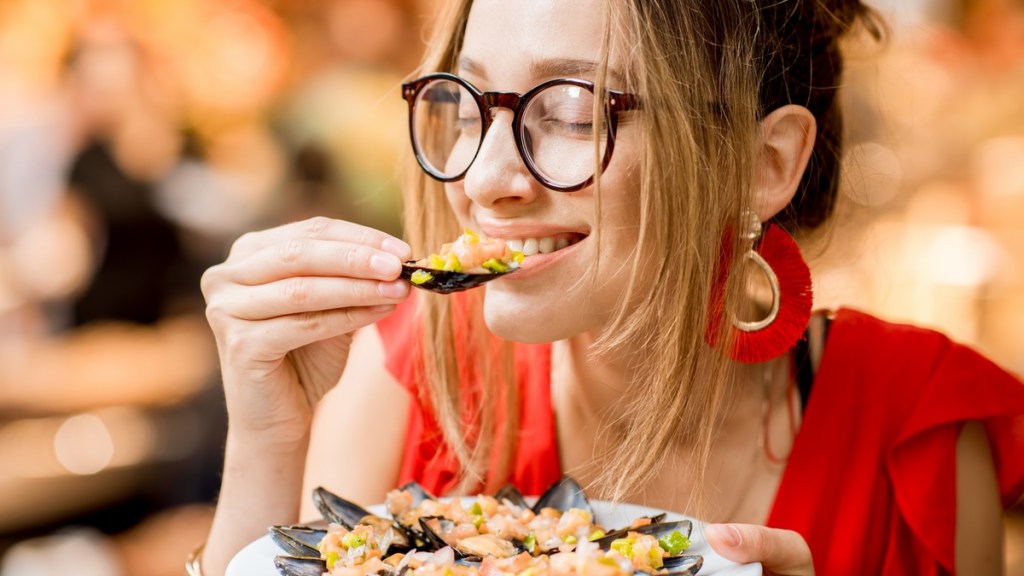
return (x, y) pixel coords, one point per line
(193, 565)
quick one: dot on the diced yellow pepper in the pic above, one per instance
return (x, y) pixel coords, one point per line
(421, 277)
(495, 265)
(471, 237)
(436, 262)
(623, 546)
(332, 559)
(452, 264)
(654, 555)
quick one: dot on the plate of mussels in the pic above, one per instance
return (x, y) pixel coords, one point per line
(413, 533)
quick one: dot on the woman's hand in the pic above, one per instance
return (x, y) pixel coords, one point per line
(781, 552)
(283, 308)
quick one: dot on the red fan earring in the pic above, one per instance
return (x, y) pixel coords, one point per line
(778, 257)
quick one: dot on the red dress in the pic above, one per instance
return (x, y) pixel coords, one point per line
(870, 481)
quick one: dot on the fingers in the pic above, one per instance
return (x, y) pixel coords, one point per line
(305, 294)
(320, 228)
(782, 552)
(306, 257)
(268, 340)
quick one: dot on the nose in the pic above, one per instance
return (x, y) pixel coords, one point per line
(498, 174)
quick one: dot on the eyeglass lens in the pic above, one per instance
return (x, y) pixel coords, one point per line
(555, 132)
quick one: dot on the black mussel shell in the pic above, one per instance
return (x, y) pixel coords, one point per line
(444, 282)
(684, 565)
(471, 548)
(298, 540)
(338, 510)
(419, 493)
(562, 496)
(655, 519)
(300, 566)
(658, 530)
(431, 527)
(513, 495)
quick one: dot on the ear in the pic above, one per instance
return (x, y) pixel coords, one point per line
(787, 138)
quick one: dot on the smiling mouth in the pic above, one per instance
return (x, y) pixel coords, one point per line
(543, 244)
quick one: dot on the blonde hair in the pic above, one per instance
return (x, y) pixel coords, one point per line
(701, 73)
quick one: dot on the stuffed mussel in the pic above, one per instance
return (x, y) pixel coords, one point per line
(466, 263)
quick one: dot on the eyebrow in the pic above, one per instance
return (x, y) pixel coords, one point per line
(550, 68)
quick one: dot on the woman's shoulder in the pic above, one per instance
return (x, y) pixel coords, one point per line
(858, 337)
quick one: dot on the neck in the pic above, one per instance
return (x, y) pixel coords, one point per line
(592, 385)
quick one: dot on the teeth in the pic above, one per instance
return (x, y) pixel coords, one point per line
(534, 246)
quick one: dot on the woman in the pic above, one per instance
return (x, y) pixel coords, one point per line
(668, 391)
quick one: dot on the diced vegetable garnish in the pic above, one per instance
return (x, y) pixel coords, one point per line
(623, 546)
(674, 543)
(421, 277)
(530, 542)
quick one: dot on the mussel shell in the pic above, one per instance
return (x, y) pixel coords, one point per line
(445, 282)
(419, 493)
(513, 495)
(655, 519)
(562, 496)
(658, 530)
(300, 566)
(298, 540)
(471, 547)
(338, 510)
(431, 527)
(683, 565)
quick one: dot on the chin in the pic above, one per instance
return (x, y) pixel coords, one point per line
(519, 319)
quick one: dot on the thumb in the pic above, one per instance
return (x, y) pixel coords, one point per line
(781, 552)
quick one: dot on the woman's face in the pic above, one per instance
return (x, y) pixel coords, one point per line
(512, 47)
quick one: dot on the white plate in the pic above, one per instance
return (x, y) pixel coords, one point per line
(257, 559)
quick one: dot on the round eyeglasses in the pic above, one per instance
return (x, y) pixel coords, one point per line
(553, 125)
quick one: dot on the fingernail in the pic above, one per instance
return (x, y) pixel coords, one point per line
(385, 265)
(396, 289)
(727, 533)
(396, 247)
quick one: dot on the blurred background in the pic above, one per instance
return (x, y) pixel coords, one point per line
(138, 138)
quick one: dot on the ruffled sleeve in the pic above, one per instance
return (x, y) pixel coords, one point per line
(871, 481)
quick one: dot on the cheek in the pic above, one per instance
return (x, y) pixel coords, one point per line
(458, 201)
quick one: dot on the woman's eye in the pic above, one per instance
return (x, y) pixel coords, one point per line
(568, 128)
(467, 124)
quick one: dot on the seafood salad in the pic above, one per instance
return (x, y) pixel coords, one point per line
(500, 535)
(473, 254)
